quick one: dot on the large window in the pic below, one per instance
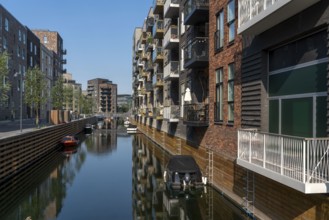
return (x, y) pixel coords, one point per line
(298, 87)
(219, 34)
(219, 95)
(231, 20)
(230, 92)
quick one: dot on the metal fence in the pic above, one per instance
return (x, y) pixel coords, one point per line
(303, 159)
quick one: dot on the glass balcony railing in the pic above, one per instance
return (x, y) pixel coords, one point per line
(171, 37)
(171, 70)
(158, 6)
(171, 113)
(158, 29)
(157, 55)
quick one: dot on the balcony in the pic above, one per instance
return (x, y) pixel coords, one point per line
(157, 55)
(149, 65)
(196, 115)
(196, 53)
(258, 16)
(63, 61)
(299, 163)
(171, 113)
(64, 52)
(158, 29)
(141, 47)
(148, 86)
(158, 6)
(196, 12)
(171, 39)
(140, 63)
(149, 23)
(149, 44)
(170, 71)
(171, 9)
(158, 113)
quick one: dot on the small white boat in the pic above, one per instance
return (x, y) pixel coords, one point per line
(132, 128)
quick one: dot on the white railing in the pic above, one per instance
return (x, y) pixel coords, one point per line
(170, 4)
(250, 8)
(305, 160)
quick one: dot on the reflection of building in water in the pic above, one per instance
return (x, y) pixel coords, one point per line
(147, 180)
(151, 199)
(102, 141)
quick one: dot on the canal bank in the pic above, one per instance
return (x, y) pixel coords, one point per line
(257, 194)
(21, 149)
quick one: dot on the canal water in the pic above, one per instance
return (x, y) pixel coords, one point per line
(110, 175)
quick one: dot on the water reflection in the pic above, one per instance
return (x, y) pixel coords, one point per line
(109, 176)
(151, 199)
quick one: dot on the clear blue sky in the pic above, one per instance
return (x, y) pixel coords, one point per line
(96, 33)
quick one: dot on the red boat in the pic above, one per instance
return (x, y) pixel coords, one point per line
(69, 141)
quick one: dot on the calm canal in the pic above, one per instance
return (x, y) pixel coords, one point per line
(109, 175)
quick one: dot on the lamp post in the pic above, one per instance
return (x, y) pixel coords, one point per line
(20, 101)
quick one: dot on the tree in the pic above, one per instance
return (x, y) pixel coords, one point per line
(68, 96)
(35, 90)
(4, 83)
(87, 104)
(57, 93)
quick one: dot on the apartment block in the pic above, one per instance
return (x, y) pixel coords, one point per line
(104, 95)
(73, 94)
(53, 42)
(245, 82)
(14, 41)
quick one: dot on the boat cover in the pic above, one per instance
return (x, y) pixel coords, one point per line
(182, 163)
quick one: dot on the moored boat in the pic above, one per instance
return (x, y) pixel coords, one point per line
(132, 128)
(69, 141)
(183, 172)
(88, 128)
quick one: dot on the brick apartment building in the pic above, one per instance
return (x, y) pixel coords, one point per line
(245, 69)
(104, 95)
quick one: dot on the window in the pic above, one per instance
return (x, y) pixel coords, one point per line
(31, 47)
(18, 51)
(230, 20)
(24, 38)
(219, 95)
(6, 24)
(230, 92)
(219, 34)
(35, 49)
(23, 53)
(5, 45)
(31, 61)
(45, 39)
(19, 35)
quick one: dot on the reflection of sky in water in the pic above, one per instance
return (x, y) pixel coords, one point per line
(124, 182)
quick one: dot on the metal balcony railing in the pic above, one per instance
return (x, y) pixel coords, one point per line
(196, 114)
(195, 11)
(300, 163)
(157, 54)
(196, 53)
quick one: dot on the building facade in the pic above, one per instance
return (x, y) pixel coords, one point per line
(53, 42)
(14, 41)
(104, 95)
(251, 89)
(72, 94)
